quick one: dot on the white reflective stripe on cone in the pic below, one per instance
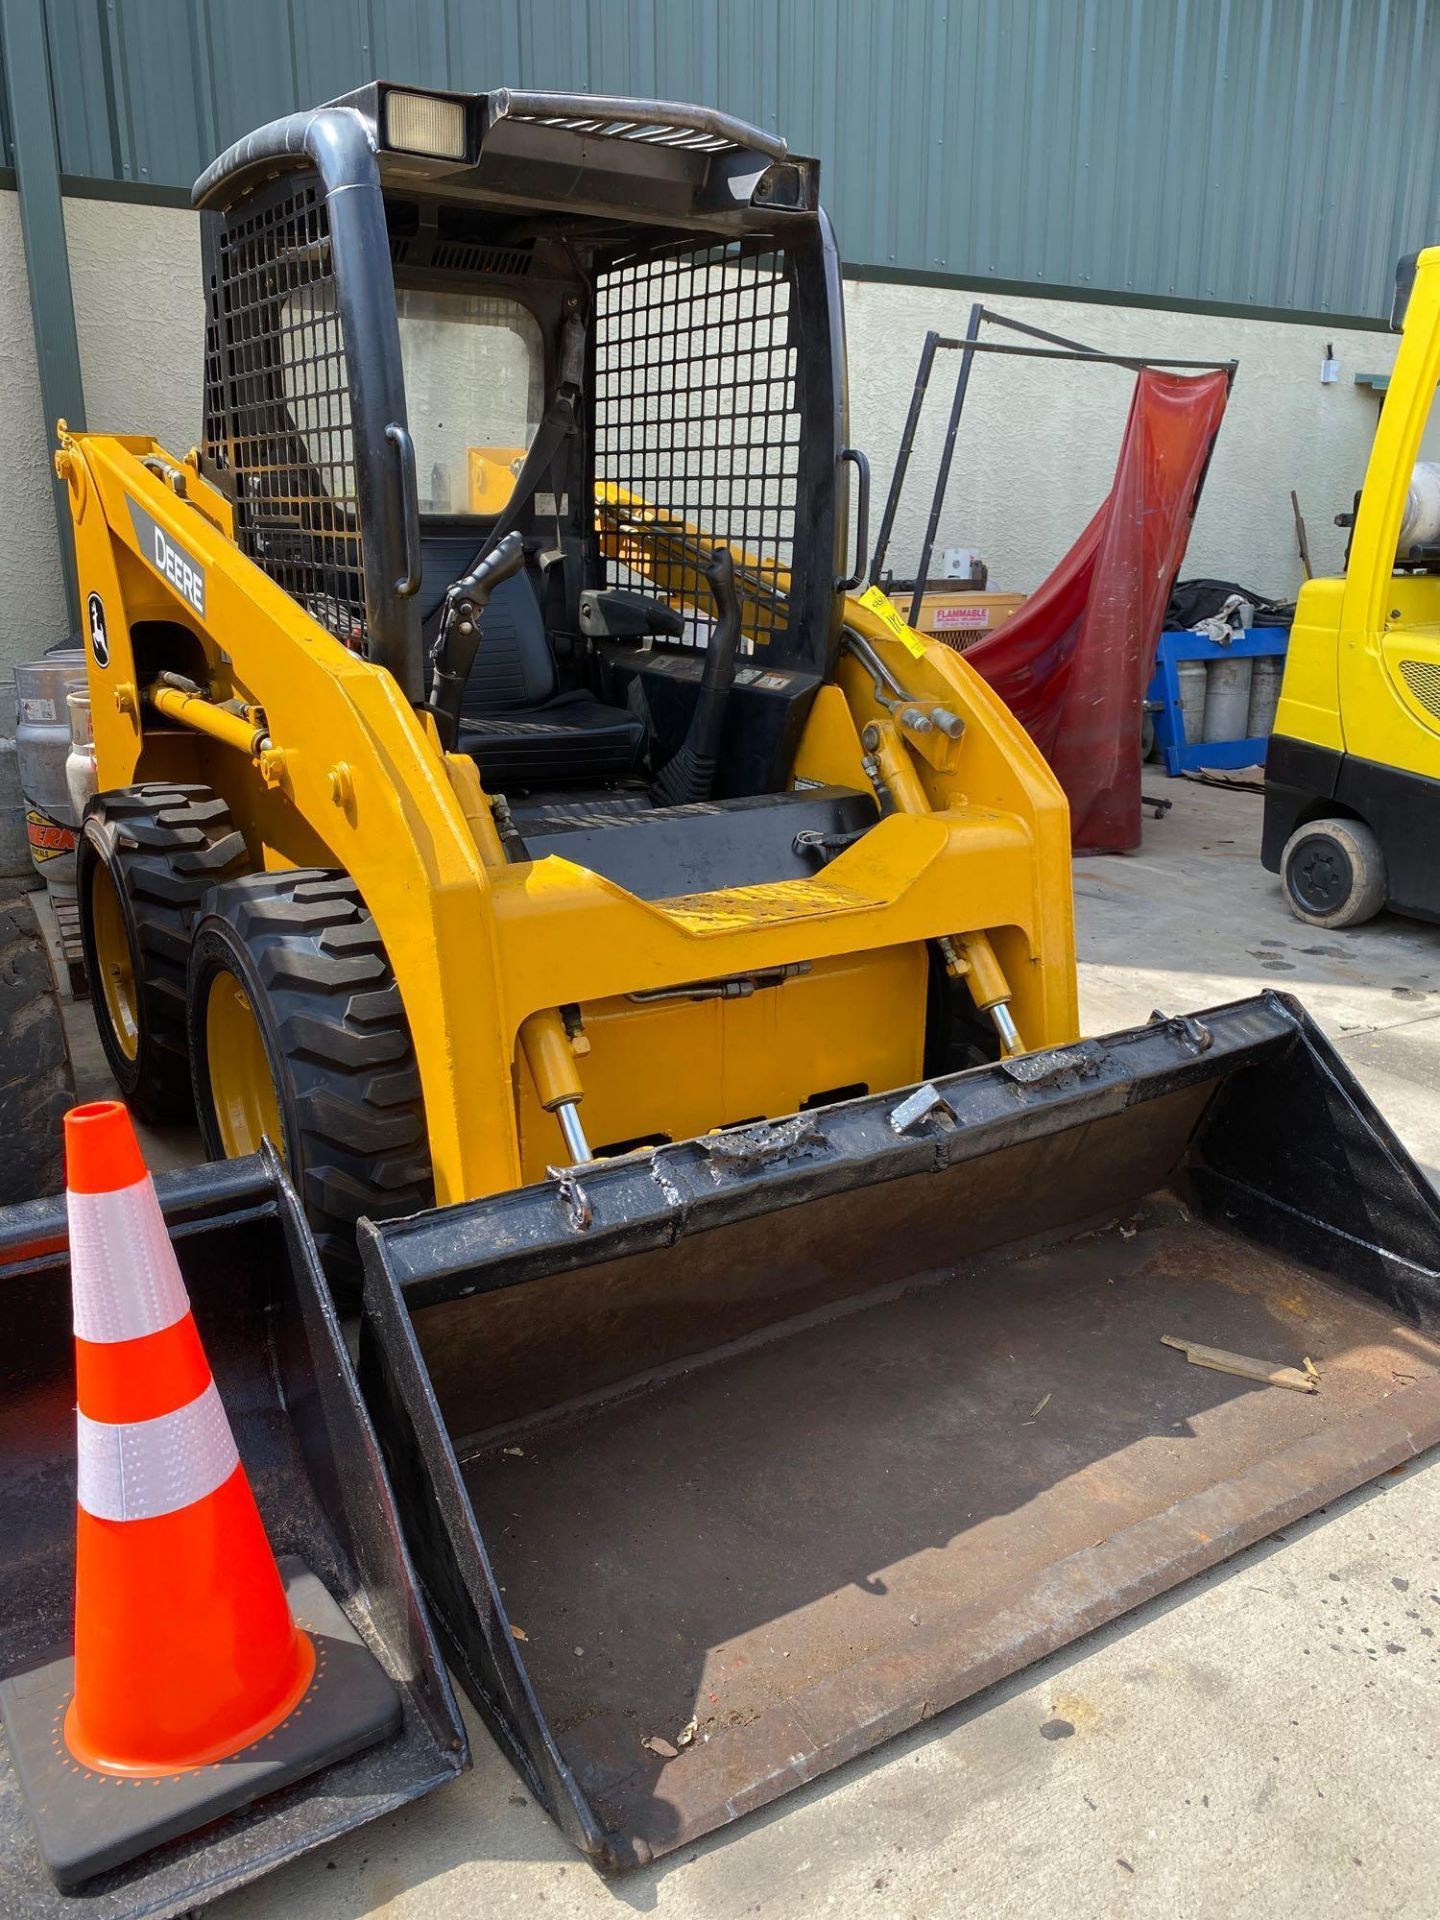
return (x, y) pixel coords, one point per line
(140, 1468)
(124, 1282)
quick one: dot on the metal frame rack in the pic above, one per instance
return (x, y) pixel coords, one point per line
(1054, 347)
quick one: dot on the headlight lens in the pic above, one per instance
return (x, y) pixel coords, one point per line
(419, 123)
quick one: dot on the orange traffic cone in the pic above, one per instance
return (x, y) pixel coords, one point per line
(192, 1690)
(185, 1650)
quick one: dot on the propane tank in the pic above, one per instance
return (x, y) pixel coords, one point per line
(1192, 677)
(1267, 672)
(1227, 700)
(82, 782)
(42, 742)
(43, 689)
(1420, 523)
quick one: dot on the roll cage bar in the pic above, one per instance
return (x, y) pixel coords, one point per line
(639, 163)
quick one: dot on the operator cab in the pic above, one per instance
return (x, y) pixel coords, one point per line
(604, 336)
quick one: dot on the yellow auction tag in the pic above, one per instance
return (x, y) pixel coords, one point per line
(879, 605)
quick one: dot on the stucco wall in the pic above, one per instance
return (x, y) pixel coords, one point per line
(139, 313)
(1039, 439)
(136, 279)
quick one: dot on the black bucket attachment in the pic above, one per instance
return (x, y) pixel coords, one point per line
(726, 1462)
(283, 1372)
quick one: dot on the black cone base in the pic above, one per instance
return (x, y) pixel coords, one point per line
(88, 1822)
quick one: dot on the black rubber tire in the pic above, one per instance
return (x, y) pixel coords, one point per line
(1333, 872)
(36, 1085)
(165, 846)
(324, 996)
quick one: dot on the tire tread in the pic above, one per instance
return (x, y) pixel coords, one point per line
(169, 843)
(354, 1090)
(36, 1085)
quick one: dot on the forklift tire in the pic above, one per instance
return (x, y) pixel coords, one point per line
(35, 1082)
(1334, 873)
(147, 856)
(297, 1033)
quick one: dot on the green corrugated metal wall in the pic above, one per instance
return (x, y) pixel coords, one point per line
(1275, 154)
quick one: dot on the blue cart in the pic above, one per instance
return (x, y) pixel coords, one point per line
(1163, 696)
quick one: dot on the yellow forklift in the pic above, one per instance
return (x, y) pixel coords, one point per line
(1352, 775)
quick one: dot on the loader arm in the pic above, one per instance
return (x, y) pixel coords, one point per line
(396, 825)
(477, 951)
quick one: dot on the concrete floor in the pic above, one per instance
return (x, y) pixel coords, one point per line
(1261, 1742)
(1193, 920)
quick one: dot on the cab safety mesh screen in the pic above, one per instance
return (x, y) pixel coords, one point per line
(277, 403)
(697, 427)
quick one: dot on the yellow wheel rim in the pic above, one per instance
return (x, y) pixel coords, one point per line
(242, 1086)
(115, 961)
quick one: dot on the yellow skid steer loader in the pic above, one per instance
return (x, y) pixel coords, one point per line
(655, 964)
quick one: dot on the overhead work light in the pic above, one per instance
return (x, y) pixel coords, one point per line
(425, 123)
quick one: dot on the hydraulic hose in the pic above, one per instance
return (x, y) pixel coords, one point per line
(689, 775)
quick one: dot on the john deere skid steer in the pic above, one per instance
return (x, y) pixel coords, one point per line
(655, 965)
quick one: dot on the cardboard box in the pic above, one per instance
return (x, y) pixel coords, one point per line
(960, 618)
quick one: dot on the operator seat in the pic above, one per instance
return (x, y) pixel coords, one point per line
(516, 724)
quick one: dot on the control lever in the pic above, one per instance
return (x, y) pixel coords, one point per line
(689, 775)
(459, 637)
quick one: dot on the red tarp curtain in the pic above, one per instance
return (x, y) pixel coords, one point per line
(1074, 662)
